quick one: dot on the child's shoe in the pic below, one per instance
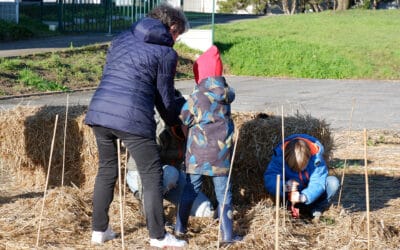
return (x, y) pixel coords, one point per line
(168, 241)
(99, 237)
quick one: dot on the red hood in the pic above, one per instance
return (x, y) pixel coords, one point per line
(209, 64)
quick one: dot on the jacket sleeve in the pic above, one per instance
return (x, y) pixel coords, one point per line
(317, 183)
(230, 95)
(187, 115)
(274, 168)
(165, 97)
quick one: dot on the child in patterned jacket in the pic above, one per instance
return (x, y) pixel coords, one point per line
(207, 113)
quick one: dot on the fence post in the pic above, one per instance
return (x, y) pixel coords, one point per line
(17, 11)
(110, 13)
(60, 15)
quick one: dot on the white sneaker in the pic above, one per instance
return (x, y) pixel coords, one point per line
(168, 241)
(99, 237)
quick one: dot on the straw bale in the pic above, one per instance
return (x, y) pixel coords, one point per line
(26, 134)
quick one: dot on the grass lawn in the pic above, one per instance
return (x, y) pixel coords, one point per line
(356, 44)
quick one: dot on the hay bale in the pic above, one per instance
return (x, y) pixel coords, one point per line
(26, 135)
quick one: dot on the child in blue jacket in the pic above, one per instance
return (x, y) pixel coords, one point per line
(307, 183)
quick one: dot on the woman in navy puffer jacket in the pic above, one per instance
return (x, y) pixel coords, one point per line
(138, 76)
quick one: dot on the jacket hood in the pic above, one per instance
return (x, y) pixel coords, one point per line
(209, 64)
(150, 30)
(216, 89)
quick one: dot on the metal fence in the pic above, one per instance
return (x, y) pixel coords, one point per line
(109, 16)
(88, 15)
(9, 11)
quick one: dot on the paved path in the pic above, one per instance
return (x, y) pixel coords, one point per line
(32, 46)
(376, 103)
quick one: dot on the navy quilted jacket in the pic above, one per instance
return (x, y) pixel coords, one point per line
(138, 76)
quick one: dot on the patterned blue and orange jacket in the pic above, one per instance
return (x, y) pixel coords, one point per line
(207, 113)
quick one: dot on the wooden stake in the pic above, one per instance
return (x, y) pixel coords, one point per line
(227, 183)
(47, 181)
(121, 212)
(65, 139)
(283, 169)
(126, 165)
(366, 186)
(345, 160)
(278, 189)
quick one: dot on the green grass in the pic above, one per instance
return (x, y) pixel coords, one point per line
(356, 44)
(74, 68)
(31, 79)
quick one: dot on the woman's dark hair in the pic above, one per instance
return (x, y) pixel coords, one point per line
(170, 16)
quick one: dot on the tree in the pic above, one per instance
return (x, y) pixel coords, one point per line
(232, 6)
(342, 4)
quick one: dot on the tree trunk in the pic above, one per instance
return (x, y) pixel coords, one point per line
(343, 4)
(294, 5)
(285, 7)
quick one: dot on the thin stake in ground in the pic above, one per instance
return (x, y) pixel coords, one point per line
(125, 169)
(283, 167)
(227, 184)
(65, 139)
(345, 160)
(278, 178)
(366, 187)
(121, 212)
(47, 181)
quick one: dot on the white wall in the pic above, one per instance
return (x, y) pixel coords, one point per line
(205, 6)
(197, 39)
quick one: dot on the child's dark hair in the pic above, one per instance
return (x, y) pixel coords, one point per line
(297, 154)
(170, 16)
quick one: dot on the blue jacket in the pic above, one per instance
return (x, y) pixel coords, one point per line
(312, 179)
(208, 115)
(138, 76)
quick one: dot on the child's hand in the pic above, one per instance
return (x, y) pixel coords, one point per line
(294, 197)
(291, 185)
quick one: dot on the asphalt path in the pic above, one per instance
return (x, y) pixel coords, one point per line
(360, 104)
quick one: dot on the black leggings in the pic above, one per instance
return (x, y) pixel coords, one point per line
(146, 154)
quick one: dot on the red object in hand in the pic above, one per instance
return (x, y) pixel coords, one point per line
(295, 212)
